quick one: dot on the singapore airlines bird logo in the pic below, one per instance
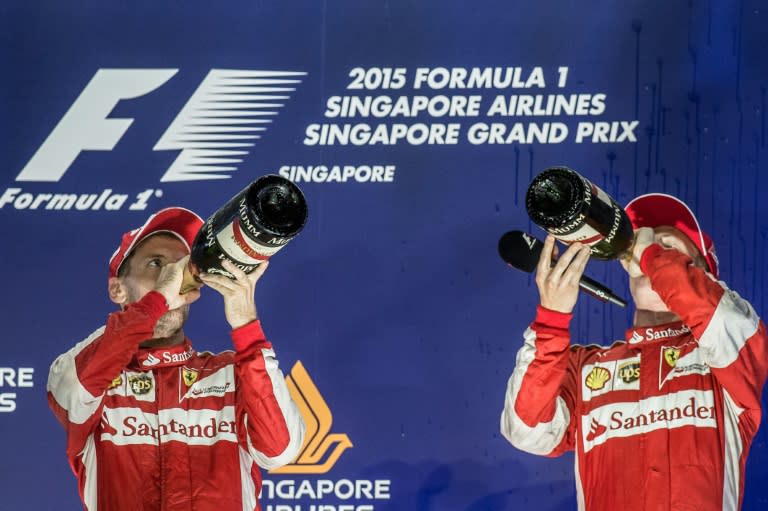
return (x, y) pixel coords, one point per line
(321, 449)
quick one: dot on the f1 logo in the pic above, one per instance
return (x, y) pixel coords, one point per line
(214, 130)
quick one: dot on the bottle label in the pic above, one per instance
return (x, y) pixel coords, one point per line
(616, 223)
(579, 230)
(568, 229)
(246, 221)
(237, 245)
(584, 234)
(255, 232)
(617, 212)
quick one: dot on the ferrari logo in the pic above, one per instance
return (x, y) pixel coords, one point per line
(189, 375)
(671, 355)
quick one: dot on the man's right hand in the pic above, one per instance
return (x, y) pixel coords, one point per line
(559, 284)
(169, 284)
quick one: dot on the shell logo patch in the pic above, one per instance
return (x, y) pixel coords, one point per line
(597, 378)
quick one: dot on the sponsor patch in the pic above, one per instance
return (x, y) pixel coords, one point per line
(150, 361)
(214, 384)
(140, 383)
(595, 430)
(189, 375)
(681, 361)
(620, 420)
(629, 371)
(597, 378)
(671, 355)
(133, 426)
(116, 382)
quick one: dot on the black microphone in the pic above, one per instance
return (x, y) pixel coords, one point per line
(520, 250)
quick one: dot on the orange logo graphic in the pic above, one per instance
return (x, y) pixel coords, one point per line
(321, 450)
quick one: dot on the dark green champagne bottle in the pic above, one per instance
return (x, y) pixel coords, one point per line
(250, 228)
(571, 208)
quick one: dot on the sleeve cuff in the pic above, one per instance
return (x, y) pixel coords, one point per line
(249, 335)
(648, 255)
(153, 304)
(553, 319)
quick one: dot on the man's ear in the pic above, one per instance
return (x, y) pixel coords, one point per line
(117, 292)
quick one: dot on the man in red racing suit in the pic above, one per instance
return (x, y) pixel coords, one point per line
(664, 420)
(153, 424)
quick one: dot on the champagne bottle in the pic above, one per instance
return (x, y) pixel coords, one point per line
(572, 209)
(250, 228)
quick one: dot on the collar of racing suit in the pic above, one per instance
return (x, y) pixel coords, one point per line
(675, 329)
(152, 358)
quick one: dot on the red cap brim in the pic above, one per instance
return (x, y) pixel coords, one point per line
(182, 223)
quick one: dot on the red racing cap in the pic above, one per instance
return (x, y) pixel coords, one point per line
(180, 222)
(657, 209)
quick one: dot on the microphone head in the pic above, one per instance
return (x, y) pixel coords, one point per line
(520, 250)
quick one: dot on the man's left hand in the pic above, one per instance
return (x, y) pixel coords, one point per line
(239, 294)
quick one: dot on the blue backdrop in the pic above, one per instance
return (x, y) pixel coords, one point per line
(413, 129)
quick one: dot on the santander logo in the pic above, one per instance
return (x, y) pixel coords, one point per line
(652, 334)
(168, 357)
(171, 358)
(132, 426)
(596, 430)
(621, 420)
(151, 361)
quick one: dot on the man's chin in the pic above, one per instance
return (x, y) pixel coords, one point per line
(649, 300)
(165, 333)
(171, 322)
(644, 296)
